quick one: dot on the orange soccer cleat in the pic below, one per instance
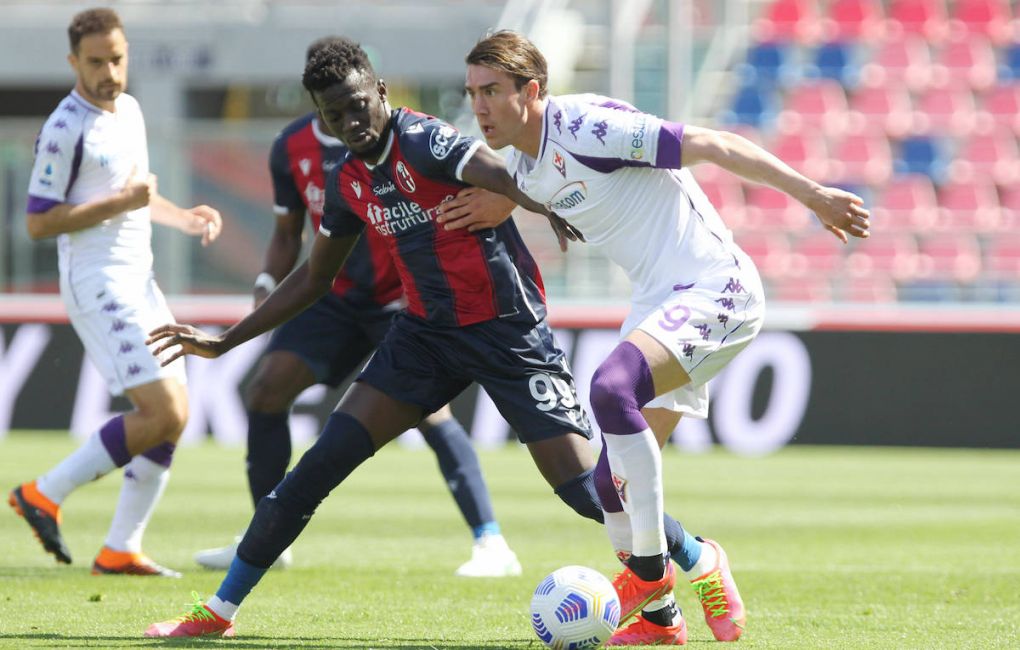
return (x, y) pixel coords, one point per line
(644, 632)
(717, 591)
(635, 593)
(43, 516)
(200, 621)
(111, 562)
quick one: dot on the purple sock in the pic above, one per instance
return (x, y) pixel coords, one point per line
(619, 388)
(113, 437)
(161, 454)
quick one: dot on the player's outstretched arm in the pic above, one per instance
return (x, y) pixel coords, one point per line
(841, 212)
(487, 170)
(201, 220)
(305, 285)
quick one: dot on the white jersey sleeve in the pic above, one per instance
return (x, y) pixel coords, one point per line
(58, 157)
(607, 134)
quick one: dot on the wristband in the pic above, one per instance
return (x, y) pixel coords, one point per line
(265, 281)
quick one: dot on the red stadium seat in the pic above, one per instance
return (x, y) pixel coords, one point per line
(813, 105)
(907, 203)
(988, 17)
(726, 193)
(966, 60)
(891, 255)
(968, 206)
(888, 105)
(903, 60)
(1009, 202)
(818, 254)
(1002, 106)
(805, 289)
(852, 20)
(926, 18)
(805, 153)
(861, 159)
(769, 209)
(787, 21)
(945, 111)
(992, 155)
(877, 289)
(770, 252)
(949, 257)
(1002, 260)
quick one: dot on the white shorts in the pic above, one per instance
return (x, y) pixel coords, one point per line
(704, 325)
(113, 318)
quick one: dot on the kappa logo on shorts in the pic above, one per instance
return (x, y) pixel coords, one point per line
(621, 487)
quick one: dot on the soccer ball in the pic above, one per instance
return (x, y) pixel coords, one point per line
(574, 608)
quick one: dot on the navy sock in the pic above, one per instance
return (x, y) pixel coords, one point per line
(459, 464)
(268, 452)
(681, 545)
(579, 493)
(283, 513)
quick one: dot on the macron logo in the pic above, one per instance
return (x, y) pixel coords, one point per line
(356, 186)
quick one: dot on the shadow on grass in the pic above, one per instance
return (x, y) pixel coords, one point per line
(49, 640)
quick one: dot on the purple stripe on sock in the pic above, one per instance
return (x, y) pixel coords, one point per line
(161, 454)
(114, 439)
(608, 495)
(619, 388)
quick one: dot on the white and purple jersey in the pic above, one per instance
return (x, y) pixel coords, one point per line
(84, 153)
(614, 173)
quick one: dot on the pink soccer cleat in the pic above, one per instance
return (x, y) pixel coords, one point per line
(717, 591)
(200, 621)
(643, 632)
(635, 593)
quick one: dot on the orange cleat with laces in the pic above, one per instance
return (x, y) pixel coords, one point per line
(717, 591)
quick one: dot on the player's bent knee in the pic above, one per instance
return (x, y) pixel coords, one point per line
(579, 493)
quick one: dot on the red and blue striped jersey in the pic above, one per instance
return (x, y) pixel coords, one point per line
(299, 162)
(450, 277)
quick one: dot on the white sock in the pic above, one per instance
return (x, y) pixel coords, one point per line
(222, 608)
(618, 529)
(87, 463)
(144, 482)
(707, 561)
(635, 458)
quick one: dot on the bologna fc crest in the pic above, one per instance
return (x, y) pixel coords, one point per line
(404, 177)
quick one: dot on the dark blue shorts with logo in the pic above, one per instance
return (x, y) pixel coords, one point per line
(333, 337)
(516, 362)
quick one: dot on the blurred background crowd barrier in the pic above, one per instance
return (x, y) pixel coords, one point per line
(908, 337)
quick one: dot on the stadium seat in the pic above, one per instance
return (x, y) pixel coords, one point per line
(968, 206)
(835, 60)
(802, 289)
(888, 105)
(1009, 202)
(1002, 105)
(903, 60)
(753, 105)
(787, 21)
(946, 111)
(967, 60)
(988, 17)
(770, 252)
(817, 254)
(1009, 66)
(726, 193)
(853, 20)
(861, 158)
(926, 18)
(992, 155)
(875, 289)
(1002, 260)
(769, 63)
(770, 209)
(892, 255)
(954, 257)
(806, 153)
(813, 105)
(907, 203)
(922, 155)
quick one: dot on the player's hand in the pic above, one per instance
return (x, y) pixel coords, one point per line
(205, 221)
(842, 213)
(190, 339)
(139, 189)
(564, 231)
(475, 209)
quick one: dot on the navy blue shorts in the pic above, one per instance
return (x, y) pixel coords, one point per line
(518, 364)
(333, 337)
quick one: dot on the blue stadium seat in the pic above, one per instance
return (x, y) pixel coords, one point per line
(753, 104)
(922, 155)
(835, 61)
(768, 63)
(1009, 68)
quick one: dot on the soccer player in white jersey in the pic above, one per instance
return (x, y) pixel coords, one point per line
(621, 177)
(92, 190)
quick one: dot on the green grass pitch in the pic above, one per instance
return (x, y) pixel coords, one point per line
(831, 547)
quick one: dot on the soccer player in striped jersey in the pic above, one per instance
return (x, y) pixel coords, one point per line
(330, 339)
(621, 177)
(91, 189)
